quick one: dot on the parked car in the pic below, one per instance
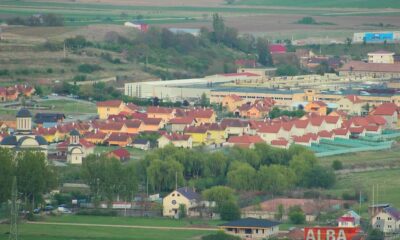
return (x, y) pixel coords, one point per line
(48, 208)
(63, 210)
(37, 210)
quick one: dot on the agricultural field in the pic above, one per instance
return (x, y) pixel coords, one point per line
(324, 3)
(388, 181)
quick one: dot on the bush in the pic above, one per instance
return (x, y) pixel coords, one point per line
(296, 215)
(307, 20)
(337, 165)
(220, 236)
(4, 72)
(49, 70)
(80, 78)
(88, 68)
(229, 211)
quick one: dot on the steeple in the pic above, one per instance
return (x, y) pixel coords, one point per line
(74, 137)
(24, 120)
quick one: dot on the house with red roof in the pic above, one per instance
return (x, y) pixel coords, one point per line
(304, 140)
(232, 102)
(216, 133)
(74, 149)
(351, 104)
(318, 107)
(390, 112)
(301, 127)
(342, 133)
(179, 124)
(151, 124)
(246, 141)
(317, 124)
(280, 143)
(119, 139)
(277, 48)
(202, 115)
(3, 94)
(235, 127)
(326, 134)
(112, 127)
(121, 154)
(133, 126)
(198, 134)
(270, 132)
(332, 122)
(160, 112)
(176, 139)
(95, 137)
(111, 107)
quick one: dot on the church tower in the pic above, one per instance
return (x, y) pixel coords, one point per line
(24, 121)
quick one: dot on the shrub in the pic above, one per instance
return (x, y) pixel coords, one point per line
(337, 165)
(49, 70)
(97, 212)
(88, 68)
(229, 211)
(307, 20)
(80, 78)
(4, 72)
(296, 215)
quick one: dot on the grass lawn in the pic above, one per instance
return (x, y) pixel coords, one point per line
(70, 106)
(388, 181)
(364, 159)
(45, 232)
(138, 221)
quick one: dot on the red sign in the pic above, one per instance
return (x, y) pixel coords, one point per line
(330, 233)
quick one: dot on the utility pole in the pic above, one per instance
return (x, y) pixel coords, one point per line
(14, 211)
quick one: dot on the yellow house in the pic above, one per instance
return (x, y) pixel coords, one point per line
(216, 133)
(198, 134)
(50, 134)
(107, 108)
(232, 102)
(182, 196)
(381, 57)
(160, 112)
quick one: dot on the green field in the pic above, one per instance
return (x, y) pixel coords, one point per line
(363, 159)
(45, 232)
(388, 181)
(69, 106)
(325, 3)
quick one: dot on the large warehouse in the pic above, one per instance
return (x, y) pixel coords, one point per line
(376, 37)
(188, 89)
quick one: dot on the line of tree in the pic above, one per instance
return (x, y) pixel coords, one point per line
(48, 20)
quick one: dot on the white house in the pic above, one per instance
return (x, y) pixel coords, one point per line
(387, 220)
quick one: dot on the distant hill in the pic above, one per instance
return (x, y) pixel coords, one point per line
(324, 3)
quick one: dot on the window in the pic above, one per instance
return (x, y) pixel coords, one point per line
(256, 231)
(389, 226)
(173, 194)
(378, 218)
(389, 218)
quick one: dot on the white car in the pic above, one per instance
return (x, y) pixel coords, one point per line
(63, 210)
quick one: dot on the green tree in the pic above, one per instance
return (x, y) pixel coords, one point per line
(280, 211)
(287, 70)
(34, 175)
(6, 173)
(218, 27)
(229, 211)
(162, 174)
(275, 178)
(242, 176)
(296, 215)
(319, 176)
(375, 234)
(219, 195)
(264, 55)
(204, 101)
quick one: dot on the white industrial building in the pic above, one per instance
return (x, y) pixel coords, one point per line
(175, 90)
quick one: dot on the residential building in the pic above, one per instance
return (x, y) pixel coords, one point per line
(197, 133)
(176, 139)
(349, 219)
(352, 105)
(160, 112)
(74, 149)
(182, 196)
(48, 120)
(119, 139)
(179, 124)
(245, 141)
(232, 102)
(318, 107)
(235, 127)
(381, 57)
(202, 115)
(121, 154)
(152, 124)
(111, 107)
(374, 70)
(216, 133)
(251, 228)
(142, 144)
(387, 220)
(95, 137)
(389, 111)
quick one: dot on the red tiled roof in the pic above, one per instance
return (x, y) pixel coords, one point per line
(233, 122)
(134, 123)
(152, 121)
(214, 127)
(354, 99)
(277, 48)
(317, 121)
(320, 103)
(301, 123)
(176, 137)
(138, 115)
(110, 103)
(385, 108)
(160, 110)
(235, 97)
(332, 119)
(372, 128)
(121, 153)
(340, 131)
(184, 120)
(359, 121)
(279, 142)
(346, 219)
(118, 137)
(200, 113)
(302, 139)
(132, 106)
(111, 126)
(195, 129)
(378, 120)
(83, 142)
(381, 52)
(270, 129)
(356, 129)
(325, 134)
(45, 131)
(359, 66)
(95, 135)
(245, 139)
